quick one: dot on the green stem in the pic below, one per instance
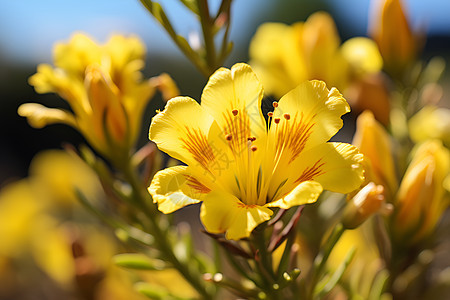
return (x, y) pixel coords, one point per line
(321, 259)
(178, 40)
(142, 199)
(208, 35)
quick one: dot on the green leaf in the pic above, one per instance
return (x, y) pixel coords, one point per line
(191, 5)
(151, 291)
(377, 289)
(138, 261)
(329, 283)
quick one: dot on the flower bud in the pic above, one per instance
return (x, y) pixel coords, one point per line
(368, 201)
(420, 200)
(393, 34)
(373, 141)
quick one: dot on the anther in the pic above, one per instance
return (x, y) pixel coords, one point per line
(270, 114)
(228, 137)
(276, 120)
(253, 139)
(235, 112)
(254, 148)
(275, 104)
(287, 116)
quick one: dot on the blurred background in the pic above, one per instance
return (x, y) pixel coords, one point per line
(28, 30)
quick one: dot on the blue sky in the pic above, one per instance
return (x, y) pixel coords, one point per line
(28, 29)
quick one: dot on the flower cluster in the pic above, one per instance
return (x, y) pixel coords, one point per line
(286, 211)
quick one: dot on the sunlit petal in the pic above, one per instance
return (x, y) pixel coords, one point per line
(174, 188)
(222, 212)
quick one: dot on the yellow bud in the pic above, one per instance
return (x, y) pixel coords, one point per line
(374, 142)
(420, 200)
(109, 116)
(368, 201)
(395, 39)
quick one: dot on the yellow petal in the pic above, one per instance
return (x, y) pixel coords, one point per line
(304, 193)
(166, 85)
(40, 116)
(185, 131)
(336, 166)
(58, 174)
(77, 54)
(18, 213)
(122, 50)
(430, 122)
(50, 80)
(52, 251)
(222, 212)
(277, 57)
(235, 89)
(363, 55)
(310, 104)
(320, 42)
(174, 188)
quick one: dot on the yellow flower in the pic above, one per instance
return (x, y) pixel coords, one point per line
(374, 142)
(284, 56)
(238, 165)
(431, 122)
(420, 201)
(103, 86)
(56, 175)
(392, 33)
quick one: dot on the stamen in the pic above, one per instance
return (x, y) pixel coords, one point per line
(253, 139)
(254, 148)
(275, 104)
(228, 137)
(287, 116)
(235, 112)
(277, 120)
(270, 114)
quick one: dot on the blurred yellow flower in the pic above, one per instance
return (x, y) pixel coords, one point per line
(103, 86)
(18, 210)
(284, 56)
(30, 208)
(420, 201)
(431, 122)
(57, 174)
(374, 142)
(238, 165)
(392, 32)
(35, 224)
